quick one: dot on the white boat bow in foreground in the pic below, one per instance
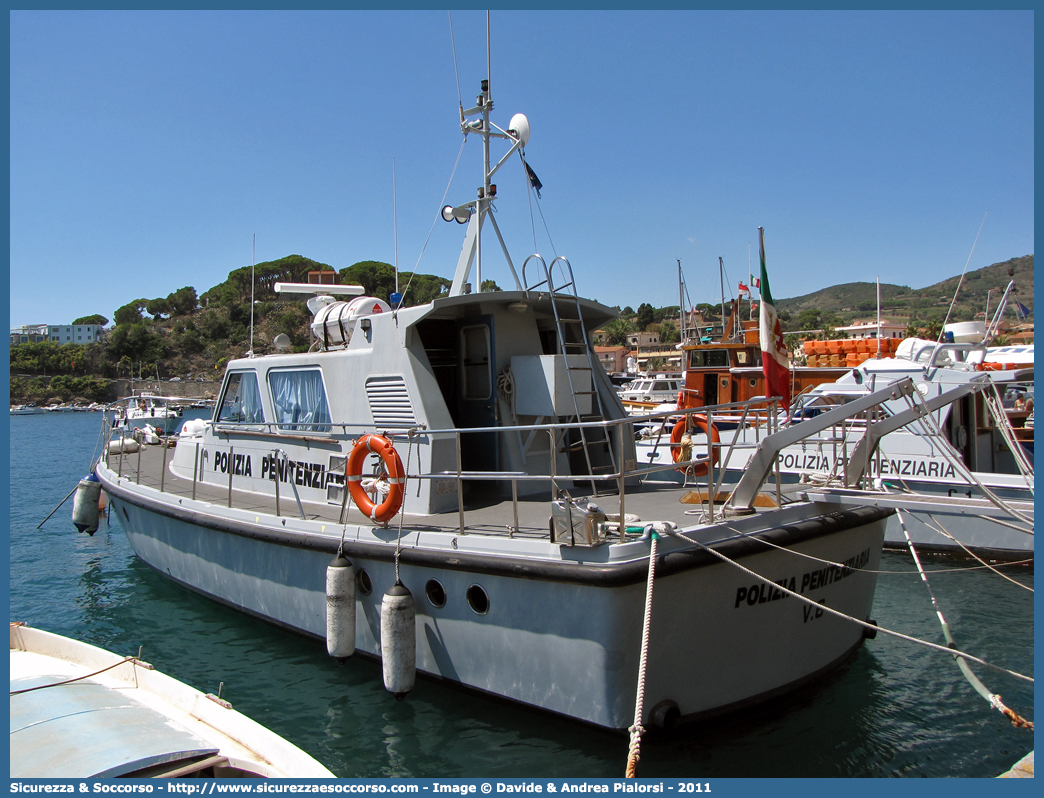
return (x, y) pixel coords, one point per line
(78, 711)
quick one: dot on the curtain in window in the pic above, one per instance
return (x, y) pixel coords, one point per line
(251, 396)
(242, 402)
(300, 400)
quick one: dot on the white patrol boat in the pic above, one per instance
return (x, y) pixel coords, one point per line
(962, 470)
(453, 487)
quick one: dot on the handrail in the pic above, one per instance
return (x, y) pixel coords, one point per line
(862, 451)
(764, 458)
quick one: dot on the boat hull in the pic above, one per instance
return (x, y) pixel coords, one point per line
(564, 636)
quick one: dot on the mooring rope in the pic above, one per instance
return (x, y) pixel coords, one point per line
(636, 728)
(984, 566)
(928, 423)
(993, 699)
(938, 527)
(864, 624)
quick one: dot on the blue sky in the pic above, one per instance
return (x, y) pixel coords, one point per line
(147, 148)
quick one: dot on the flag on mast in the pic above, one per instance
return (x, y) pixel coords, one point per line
(774, 361)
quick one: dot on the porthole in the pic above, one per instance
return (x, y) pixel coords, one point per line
(753, 383)
(363, 583)
(435, 592)
(478, 600)
(725, 383)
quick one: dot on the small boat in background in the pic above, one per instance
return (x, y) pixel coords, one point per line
(78, 711)
(146, 408)
(26, 410)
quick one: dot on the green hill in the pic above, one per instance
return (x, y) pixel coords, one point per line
(843, 304)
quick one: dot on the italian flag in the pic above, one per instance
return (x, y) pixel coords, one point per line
(774, 360)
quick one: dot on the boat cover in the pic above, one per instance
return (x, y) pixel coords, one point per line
(89, 730)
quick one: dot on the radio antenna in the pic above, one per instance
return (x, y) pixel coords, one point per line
(395, 230)
(253, 259)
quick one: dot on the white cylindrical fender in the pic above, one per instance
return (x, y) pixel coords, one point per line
(340, 608)
(85, 505)
(125, 445)
(399, 640)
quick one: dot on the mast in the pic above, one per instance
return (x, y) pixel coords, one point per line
(681, 306)
(721, 278)
(879, 316)
(474, 213)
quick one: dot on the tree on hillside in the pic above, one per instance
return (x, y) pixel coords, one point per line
(708, 310)
(378, 279)
(259, 280)
(98, 319)
(646, 316)
(810, 319)
(158, 307)
(183, 301)
(668, 332)
(137, 342)
(130, 313)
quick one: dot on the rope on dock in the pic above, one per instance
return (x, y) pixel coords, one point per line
(636, 728)
(994, 700)
(872, 627)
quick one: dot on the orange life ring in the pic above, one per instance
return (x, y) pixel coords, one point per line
(699, 469)
(681, 399)
(379, 445)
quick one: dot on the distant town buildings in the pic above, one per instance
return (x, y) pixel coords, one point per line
(613, 358)
(59, 333)
(867, 329)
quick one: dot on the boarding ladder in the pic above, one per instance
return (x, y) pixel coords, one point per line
(591, 439)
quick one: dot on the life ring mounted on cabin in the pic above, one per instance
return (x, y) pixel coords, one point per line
(396, 477)
(677, 446)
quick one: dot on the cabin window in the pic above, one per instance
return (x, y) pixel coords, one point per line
(241, 403)
(709, 358)
(299, 399)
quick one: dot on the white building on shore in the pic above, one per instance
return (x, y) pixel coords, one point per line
(59, 333)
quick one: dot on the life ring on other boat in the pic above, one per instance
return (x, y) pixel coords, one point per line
(679, 431)
(681, 399)
(381, 446)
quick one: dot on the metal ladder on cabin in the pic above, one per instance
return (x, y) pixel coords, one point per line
(590, 437)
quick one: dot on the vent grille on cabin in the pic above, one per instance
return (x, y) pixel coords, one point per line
(390, 402)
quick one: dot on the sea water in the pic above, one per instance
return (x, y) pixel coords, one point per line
(893, 709)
